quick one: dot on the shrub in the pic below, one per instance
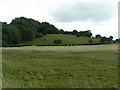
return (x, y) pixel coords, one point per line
(57, 41)
(90, 41)
(114, 41)
(44, 39)
(78, 35)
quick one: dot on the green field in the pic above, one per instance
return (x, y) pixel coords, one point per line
(66, 39)
(61, 67)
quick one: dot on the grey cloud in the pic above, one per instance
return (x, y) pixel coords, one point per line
(84, 11)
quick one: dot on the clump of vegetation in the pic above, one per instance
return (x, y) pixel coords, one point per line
(57, 41)
(106, 40)
(117, 40)
(90, 41)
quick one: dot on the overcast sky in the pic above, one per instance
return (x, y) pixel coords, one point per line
(99, 16)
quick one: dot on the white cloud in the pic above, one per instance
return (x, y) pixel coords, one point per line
(84, 11)
(40, 10)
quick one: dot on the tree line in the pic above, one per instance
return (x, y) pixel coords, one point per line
(25, 29)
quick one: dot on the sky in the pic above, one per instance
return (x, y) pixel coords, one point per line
(99, 16)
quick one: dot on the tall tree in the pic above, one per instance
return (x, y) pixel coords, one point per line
(98, 36)
(75, 32)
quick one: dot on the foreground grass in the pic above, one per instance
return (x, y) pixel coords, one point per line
(66, 39)
(54, 69)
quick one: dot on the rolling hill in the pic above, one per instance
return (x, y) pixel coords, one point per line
(66, 39)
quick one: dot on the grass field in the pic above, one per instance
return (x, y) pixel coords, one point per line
(66, 39)
(61, 67)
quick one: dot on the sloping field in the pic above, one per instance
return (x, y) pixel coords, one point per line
(66, 39)
(61, 67)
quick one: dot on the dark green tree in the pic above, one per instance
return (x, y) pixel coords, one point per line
(75, 32)
(28, 24)
(98, 36)
(111, 37)
(10, 35)
(105, 39)
(61, 31)
(46, 28)
(85, 33)
(117, 40)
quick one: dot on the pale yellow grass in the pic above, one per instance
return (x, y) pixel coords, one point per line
(113, 47)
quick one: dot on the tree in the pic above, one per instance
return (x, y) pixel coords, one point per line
(10, 35)
(75, 32)
(111, 37)
(105, 39)
(46, 28)
(52, 30)
(117, 40)
(98, 36)
(86, 33)
(61, 31)
(68, 32)
(28, 24)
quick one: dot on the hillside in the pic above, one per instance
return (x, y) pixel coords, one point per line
(66, 39)
(27, 31)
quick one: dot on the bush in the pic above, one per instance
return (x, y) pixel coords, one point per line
(78, 35)
(90, 41)
(114, 41)
(26, 45)
(105, 39)
(57, 41)
(38, 45)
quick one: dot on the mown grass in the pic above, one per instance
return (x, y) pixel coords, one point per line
(54, 69)
(66, 39)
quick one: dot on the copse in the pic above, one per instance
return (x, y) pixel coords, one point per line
(26, 25)
(46, 28)
(19, 30)
(105, 40)
(86, 33)
(10, 35)
(42, 28)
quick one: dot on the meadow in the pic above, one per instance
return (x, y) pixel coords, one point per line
(66, 39)
(60, 67)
